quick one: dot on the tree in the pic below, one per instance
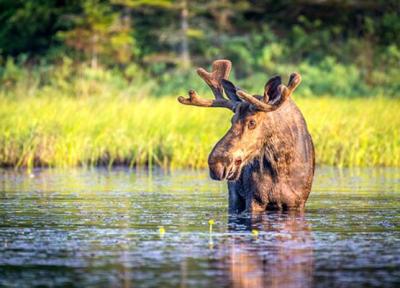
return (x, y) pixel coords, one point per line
(180, 7)
(28, 26)
(100, 32)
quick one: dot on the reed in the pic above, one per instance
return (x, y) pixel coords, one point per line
(64, 131)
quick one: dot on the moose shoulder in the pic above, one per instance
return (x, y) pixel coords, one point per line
(267, 156)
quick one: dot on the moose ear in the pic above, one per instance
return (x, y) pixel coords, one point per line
(230, 90)
(272, 92)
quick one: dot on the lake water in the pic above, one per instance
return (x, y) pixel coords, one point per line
(102, 228)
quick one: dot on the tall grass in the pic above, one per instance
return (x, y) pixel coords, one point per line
(63, 131)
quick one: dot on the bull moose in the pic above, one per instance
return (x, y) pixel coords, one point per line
(267, 156)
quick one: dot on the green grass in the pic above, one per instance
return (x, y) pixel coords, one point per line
(63, 131)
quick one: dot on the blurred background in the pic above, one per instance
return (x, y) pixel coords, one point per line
(94, 82)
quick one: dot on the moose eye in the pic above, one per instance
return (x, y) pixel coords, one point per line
(252, 124)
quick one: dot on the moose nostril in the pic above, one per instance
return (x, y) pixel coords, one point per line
(238, 162)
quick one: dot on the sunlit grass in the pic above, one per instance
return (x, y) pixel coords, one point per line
(62, 131)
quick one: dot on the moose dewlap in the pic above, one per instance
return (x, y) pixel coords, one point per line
(267, 155)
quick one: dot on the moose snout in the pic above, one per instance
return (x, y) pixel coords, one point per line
(217, 171)
(219, 165)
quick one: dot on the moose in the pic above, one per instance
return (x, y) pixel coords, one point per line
(267, 156)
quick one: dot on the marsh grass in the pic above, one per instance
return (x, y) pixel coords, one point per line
(65, 131)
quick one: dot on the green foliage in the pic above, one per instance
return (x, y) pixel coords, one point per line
(54, 130)
(352, 53)
(100, 33)
(390, 27)
(328, 77)
(141, 3)
(271, 55)
(29, 26)
(331, 77)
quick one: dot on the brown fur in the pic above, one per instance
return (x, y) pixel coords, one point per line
(267, 155)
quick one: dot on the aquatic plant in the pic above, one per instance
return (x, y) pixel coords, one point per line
(211, 223)
(161, 231)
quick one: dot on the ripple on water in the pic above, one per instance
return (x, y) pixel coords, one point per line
(97, 227)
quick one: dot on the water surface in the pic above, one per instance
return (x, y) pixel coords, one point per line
(102, 228)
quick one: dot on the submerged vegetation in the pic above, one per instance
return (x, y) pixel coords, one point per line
(65, 131)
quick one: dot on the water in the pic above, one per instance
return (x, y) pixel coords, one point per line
(101, 228)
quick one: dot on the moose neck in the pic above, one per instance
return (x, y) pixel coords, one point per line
(284, 146)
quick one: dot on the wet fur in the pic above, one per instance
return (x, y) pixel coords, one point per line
(279, 176)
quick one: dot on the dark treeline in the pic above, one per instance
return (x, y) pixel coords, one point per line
(354, 45)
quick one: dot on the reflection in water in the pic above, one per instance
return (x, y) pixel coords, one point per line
(281, 255)
(100, 228)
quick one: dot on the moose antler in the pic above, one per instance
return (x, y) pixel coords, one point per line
(220, 70)
(273, 88)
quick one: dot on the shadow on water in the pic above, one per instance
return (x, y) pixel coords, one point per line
(102, 228)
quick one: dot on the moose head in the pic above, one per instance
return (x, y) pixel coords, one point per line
(251, 123)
